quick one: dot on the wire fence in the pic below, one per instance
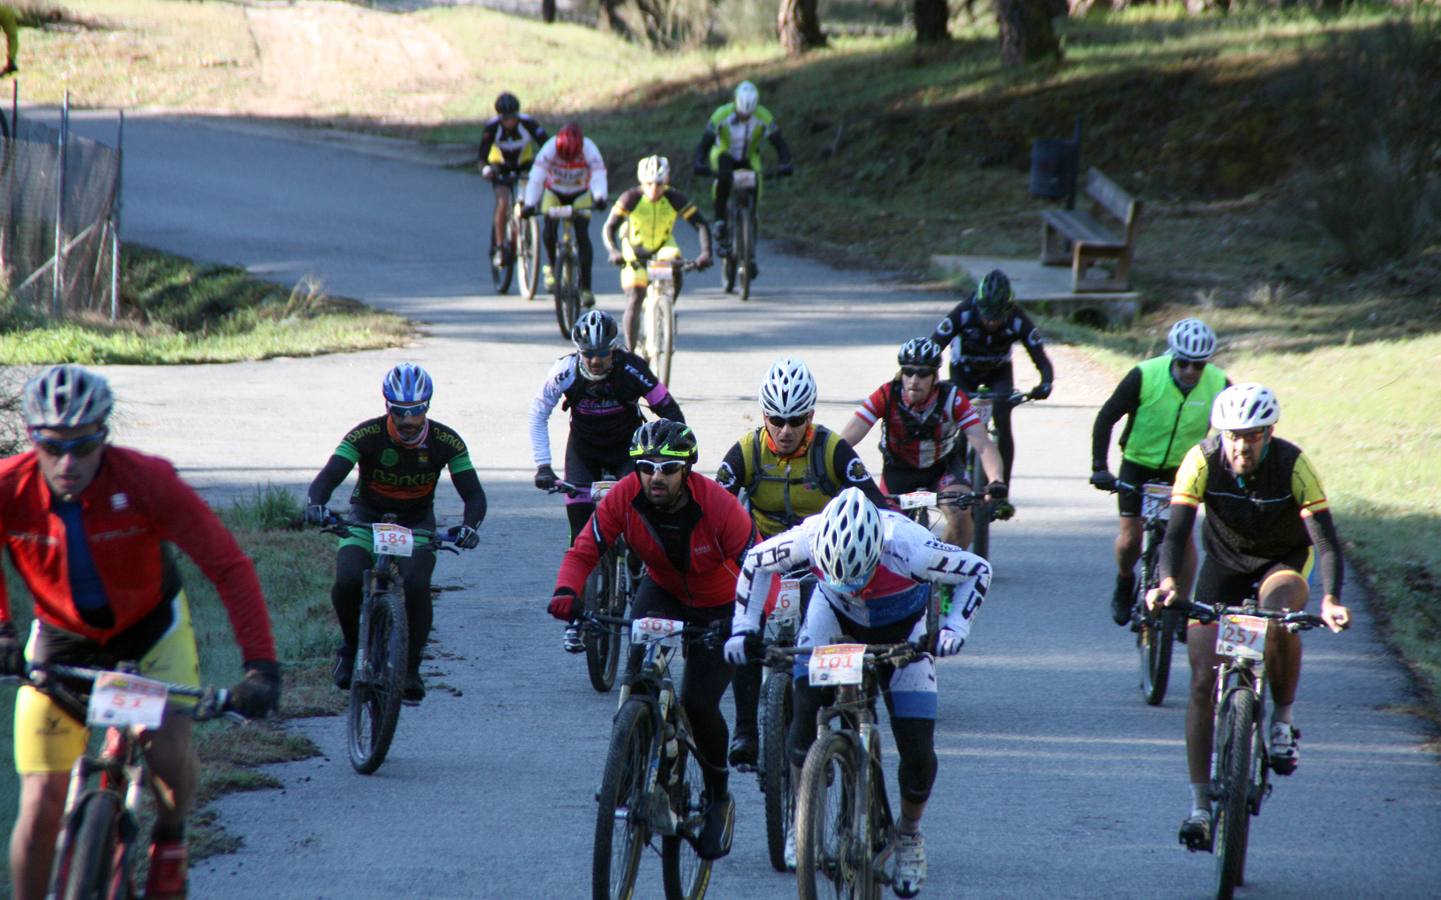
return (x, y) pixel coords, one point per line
(59, 236)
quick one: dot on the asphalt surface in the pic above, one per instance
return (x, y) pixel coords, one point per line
(1055, 779)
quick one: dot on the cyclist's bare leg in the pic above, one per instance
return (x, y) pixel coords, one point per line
(32, 841)
(1128, 545)
(634, 296)
(1201, 648)
(958, 528)
(502, 211)
(1285, 589)
(174, 769)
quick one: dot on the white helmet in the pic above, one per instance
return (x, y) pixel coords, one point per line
(847, 546)
(66, 396)
(1244, 406)
(653, 170)
(788, 389)
(747, 98)
(1192, 340)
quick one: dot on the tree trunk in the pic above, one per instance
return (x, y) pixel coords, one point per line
(1026, 33)
(547, 10)
(932, 18)
(610, 18)
(798, 25)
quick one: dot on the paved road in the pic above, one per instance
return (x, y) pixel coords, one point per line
(1055, 780)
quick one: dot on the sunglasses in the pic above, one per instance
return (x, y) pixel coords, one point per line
(596, 354)
(917, 371)
(1250, 436)
(1192, 365)
(793, 421)
(669, 467)
(418, 409)
(80, 446)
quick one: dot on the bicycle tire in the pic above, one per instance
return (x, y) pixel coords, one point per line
(664, 338)
(685, 875)
(93, 866)
(374, 707)
(980, 510)
(1233, 814)
(728, 268)
(500, 276)
(818, 860)
(745, 250)
(527, 256)
(623, 786)
(601, 650)
(567, 293)
(777, 705)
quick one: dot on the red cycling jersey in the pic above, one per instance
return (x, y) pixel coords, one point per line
(718, 542)
(135, 502)
(920, 437)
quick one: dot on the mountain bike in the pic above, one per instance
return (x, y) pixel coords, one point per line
(567, 266)
(377, 681)
(1240, 765)
(1156, 629)
(653, 778)
(608, 591)
(983, 513)
(739, 265)
(519, 251)
(655, 342)
(777, 703)
(845, 830)
(100, 841)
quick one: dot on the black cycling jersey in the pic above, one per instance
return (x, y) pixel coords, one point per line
(603, 414)
(512, 143)
(978, 354)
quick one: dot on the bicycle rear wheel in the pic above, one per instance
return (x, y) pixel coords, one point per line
(527, 256)
(777, 697)
(621, 825)
(745, 249)
(828, 842)
(685, 875)
(602, 648)
(1233, 814)
(92, 866)
(375, 694)
(567, 293)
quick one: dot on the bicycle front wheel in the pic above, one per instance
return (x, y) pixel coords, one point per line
(828, 842)
(686, 876)
(664, 338)
(602, 650)
(92, 864)
(1233, 814)
(375, 694)
(527, 256)
(777, 697)
(980, 510)
(621, 825)
(1155, 640)
(567, 293)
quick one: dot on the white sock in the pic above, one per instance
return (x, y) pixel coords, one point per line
(1200, 796)
(908, 826)
(1282, 713)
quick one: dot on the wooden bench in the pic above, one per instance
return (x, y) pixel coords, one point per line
(1083, 240)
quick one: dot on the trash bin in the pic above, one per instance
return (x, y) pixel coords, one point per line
(1053, 169)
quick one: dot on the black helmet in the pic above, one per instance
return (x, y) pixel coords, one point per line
(994, 295)
(507, 104)
(921, 351)
(664, 438)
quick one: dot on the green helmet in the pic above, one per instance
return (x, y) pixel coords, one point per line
(994, 295)
(666, 439)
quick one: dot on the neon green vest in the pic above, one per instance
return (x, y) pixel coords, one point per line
(1168, 422)
(784, 492)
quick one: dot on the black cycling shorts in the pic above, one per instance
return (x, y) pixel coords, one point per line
(1129, 503)
(1219, 584)
(946, 473)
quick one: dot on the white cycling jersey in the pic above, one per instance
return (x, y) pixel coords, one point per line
(566, 176)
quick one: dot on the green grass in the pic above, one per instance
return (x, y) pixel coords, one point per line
(177, 311)
(295, 569)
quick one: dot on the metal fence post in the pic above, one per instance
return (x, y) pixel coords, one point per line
(58, 272)
(115, 218)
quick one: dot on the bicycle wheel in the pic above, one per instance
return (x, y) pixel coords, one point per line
(685, 875)
(664, 338)
(375, 694)
(745, 249)
(527, 256)
(601, 647)
(1155, 641)
(92, 866)
(777, 697)
(500, 275)
(567, 292)
(622, 828)
(728, 267)
(980, 510)
(1233, 814)
(827, 843)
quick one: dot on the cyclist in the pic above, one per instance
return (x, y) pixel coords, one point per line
(507, 146)
(87, 525)
(1168, 401)
(875, 572)
(401, 455)
(692, 537)
(11, 26)
(568, 171)
(648, 214)
(922, 421)
(980, 332)
(602, 386)
(732, 140)
(789, 468)
(1265, 511)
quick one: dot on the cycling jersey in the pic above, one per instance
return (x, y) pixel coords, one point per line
(728, 134)
(549, 172)
(650, 225)
(714, 530)
(603, 414)
(919, 437)
(978, 354)
(1164, 421)
(514, 147)
(400, 479)
(135, 503)
(783, 490)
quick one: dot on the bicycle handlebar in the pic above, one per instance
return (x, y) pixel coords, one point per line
(213, 703)
(340, 526)
(876, 654)
(1299, 620)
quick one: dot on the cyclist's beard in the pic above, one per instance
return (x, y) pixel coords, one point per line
(410, 436)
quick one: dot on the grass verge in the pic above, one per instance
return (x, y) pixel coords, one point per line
(177, 311)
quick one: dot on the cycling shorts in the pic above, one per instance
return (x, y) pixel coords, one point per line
(581, 202)
(910, 691)
(937, 477)
(636, 276)
(363, 537)
(1218, 584)
(585, 464)
(508, 176)
(1129, 502)
(47, 738)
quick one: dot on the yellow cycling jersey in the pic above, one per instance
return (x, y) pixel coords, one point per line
(650, 224)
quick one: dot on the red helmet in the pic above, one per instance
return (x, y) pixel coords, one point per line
(569, 142)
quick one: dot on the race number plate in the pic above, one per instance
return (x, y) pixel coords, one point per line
(122, 699)
(660, 272)
(837, 664)
(744, 178)
(1243, 637)
(559, 212)
(983, 409)
(393, 539)
(918, 500)
(598, 489)
(651, 630)
(1156, 501)
(788, 602)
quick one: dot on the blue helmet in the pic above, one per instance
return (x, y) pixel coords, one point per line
(407, 384)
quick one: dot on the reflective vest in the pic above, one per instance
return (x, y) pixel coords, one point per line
(1167, 422)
